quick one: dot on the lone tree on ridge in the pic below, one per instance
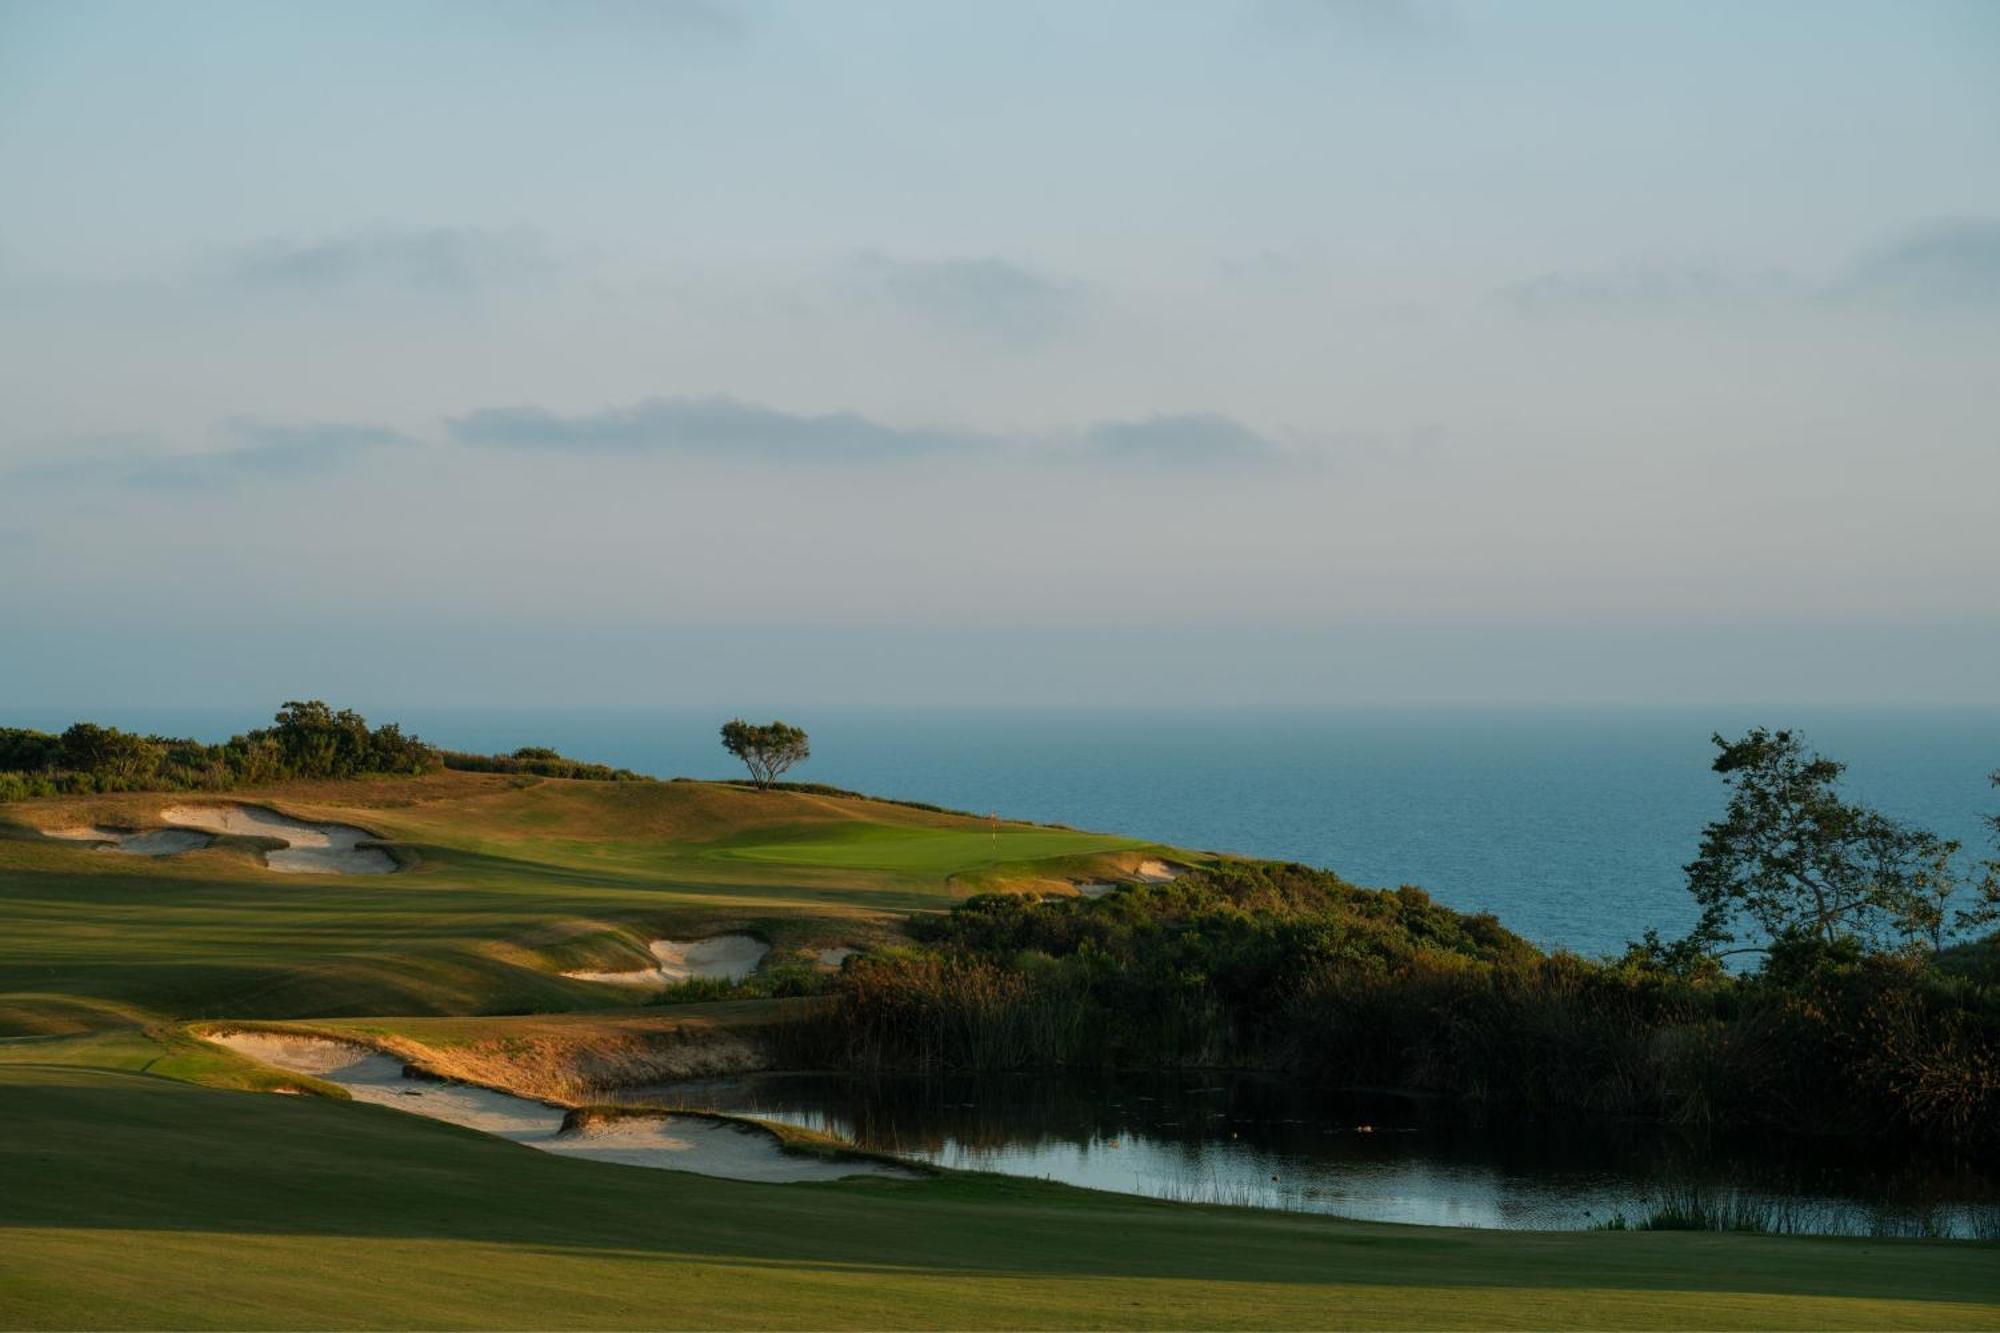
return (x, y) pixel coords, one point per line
(766, 751)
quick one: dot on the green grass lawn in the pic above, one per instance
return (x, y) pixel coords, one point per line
(145, 1181)
(514, 882)
(132, 1201)
(931, 853)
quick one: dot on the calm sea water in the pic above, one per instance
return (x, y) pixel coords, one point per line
(1571, 825)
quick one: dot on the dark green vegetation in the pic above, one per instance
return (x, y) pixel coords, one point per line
(1290, 968)
(538, 761)
(149, 1184)
(1792, 863)
(1858, 1021)
(307, 741)
(768, 751)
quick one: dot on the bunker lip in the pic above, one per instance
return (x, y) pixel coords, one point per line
(719, 957)
(311, 847)
(132, 842)
(709, 1145)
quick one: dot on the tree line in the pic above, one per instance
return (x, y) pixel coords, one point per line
(1834, 982)
(306, 740)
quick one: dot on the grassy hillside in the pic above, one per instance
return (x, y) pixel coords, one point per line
(512, 880)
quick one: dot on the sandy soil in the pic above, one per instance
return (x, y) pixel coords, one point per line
(665, 1142)
(1150, 871)
(149, 842)
(725, 957)
(311, 849)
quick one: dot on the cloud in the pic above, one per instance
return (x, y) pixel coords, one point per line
(1643, 287)
(727, 427)
(1199, 437)
(711, 424)
(1951, 265)
(261, 451)
(1942, 266)
(438, 259)
(992, 298)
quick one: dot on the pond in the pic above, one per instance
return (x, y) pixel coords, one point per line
(1256, 1140)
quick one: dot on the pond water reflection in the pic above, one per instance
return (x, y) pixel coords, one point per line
(1256, 1140)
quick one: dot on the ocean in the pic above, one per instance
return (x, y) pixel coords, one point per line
(1570, 825)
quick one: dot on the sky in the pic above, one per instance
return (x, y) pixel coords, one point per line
(1275, 353)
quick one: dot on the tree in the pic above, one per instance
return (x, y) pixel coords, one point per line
(1791, 860)
(766, 751)
(107, 752)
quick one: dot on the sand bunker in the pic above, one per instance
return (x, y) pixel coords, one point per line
(310, 849)
(722, 957)
(146, 842)
(1150, 871)
(666, 1142)
(834, 957)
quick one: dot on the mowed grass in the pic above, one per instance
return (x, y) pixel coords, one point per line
(150, 1180)
(929, 853)
(513, 882)
(136, 1202)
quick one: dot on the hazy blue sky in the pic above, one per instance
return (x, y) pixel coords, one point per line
(1254, 351)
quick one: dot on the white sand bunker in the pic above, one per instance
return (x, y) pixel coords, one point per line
(666, 1142)
(310, 849)
(1150, 871)
(143, 842)
(722, 957)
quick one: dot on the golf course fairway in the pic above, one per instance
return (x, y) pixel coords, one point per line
(150, 1179)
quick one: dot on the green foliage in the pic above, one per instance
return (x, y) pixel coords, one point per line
(767, 751)
(1791, 858)
(538, 761)
(308, 740)
(1285, 967)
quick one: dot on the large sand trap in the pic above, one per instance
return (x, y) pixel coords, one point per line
(722, 957)
(311, 849)
(666, 1142)
(146, 842)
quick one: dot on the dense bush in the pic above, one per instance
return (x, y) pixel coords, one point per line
(538, 761)
(1289, 968)
(307, 740)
